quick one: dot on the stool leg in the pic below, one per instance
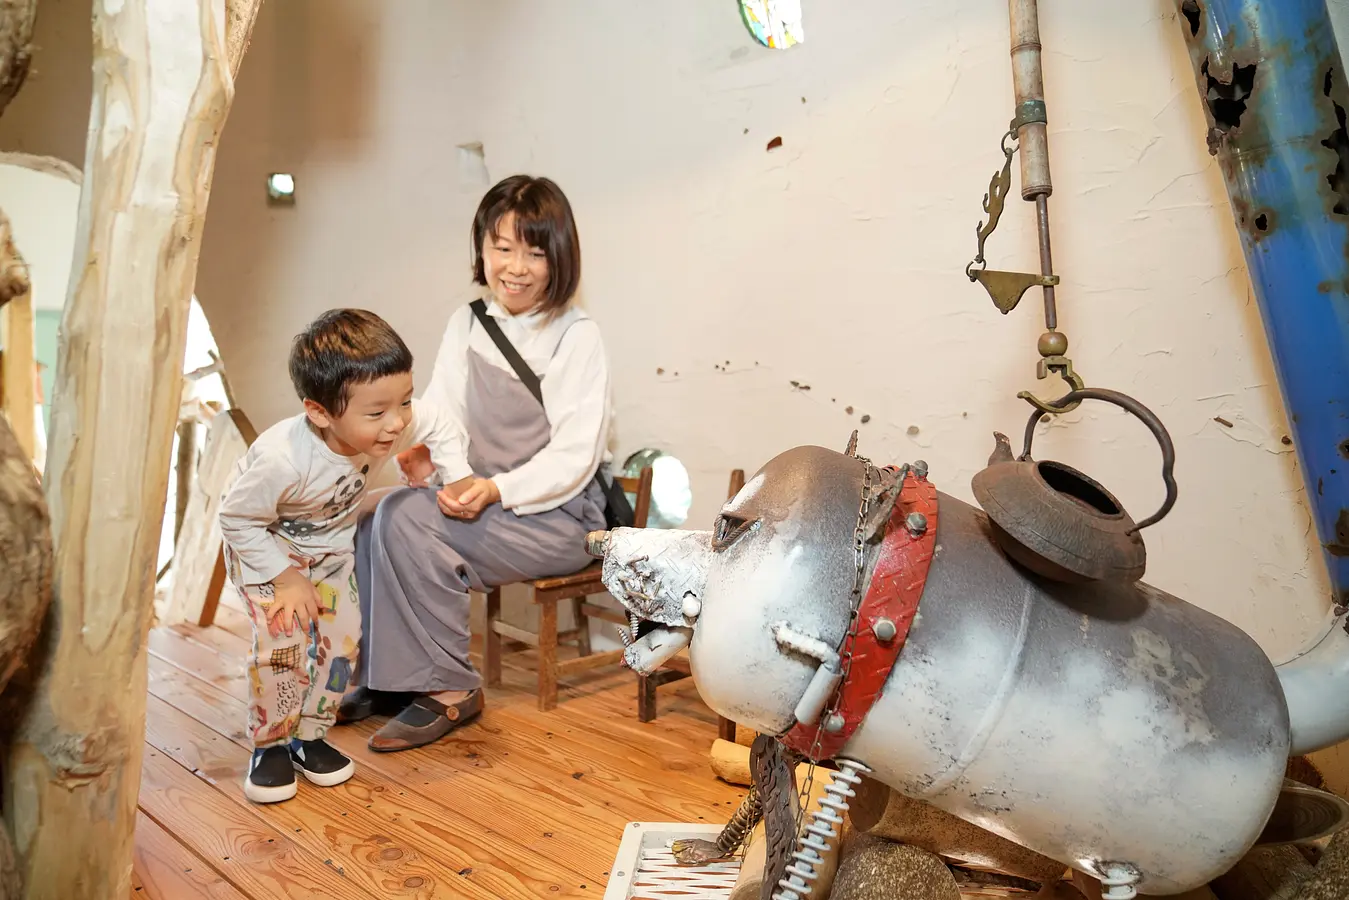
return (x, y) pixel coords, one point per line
(646, 698)
(491, 641)
(547, 655)
(725, 729)
(582, 627)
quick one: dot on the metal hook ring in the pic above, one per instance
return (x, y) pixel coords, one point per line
(1058, 407)
(1003, 143)
(1144, 415)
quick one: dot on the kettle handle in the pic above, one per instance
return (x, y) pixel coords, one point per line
(1143, 414)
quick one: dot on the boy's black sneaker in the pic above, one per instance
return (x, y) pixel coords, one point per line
(320, 763)
(271, 777)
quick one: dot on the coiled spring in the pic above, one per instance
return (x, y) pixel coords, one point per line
(823, 829)
(744, 820)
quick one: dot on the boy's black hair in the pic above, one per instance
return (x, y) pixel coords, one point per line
(340, 348)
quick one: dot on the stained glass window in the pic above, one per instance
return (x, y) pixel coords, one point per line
(774, 23)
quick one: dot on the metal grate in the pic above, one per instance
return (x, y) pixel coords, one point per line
(644, 868)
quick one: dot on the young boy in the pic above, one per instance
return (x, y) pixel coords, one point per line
(289, 524)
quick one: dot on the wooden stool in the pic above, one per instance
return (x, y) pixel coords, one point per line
(677, 667)
(546, 593)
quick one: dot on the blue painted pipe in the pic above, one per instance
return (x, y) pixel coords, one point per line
(1275, 95)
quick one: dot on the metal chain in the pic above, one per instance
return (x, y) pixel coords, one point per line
(859, 577)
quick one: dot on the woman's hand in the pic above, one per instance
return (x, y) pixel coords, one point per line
(460, 502)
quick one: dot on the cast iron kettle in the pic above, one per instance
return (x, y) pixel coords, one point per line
(1058, 522)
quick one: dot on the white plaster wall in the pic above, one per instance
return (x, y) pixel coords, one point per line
(835, 262)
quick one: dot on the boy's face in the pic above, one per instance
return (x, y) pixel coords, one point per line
(376, 413)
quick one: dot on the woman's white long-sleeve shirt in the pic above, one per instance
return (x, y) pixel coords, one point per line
(567, 353)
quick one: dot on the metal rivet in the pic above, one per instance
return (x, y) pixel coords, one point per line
(916, 523)
(884, 629)
(920, 468)
(833, 723)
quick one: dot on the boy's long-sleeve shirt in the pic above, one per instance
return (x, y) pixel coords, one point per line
(294, 497)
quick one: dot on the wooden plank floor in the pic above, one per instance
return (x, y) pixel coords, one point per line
(518, 804)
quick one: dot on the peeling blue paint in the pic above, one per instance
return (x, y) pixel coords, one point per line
(1273, 86)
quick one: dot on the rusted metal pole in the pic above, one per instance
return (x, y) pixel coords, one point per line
(1273, 89)
(1032, 134)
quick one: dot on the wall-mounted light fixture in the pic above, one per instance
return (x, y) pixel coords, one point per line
(280, 189)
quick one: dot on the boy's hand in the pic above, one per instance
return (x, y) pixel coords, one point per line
(460, 502)
(415, 464)
(297, 600)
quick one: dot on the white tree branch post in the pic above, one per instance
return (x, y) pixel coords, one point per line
(162, 87)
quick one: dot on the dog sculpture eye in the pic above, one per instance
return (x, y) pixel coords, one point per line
(729, 529)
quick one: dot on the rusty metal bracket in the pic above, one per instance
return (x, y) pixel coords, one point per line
(1007, 288)
(1063, 367)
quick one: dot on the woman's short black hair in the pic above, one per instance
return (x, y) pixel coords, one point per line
(543, 219)
(340, 348)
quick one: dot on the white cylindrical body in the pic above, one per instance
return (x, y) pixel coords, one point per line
(1093, 723)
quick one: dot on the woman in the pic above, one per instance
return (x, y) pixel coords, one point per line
(526, 493)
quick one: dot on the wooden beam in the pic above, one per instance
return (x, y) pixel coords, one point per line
(593, 661)
(515, 634)
(162, 88)
(18, 371)
(18, 363)
(194, 586)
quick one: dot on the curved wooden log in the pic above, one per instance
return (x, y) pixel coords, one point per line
(25, 592)
(17, 18)
(730, 762)
(161, 90)
(876, 869)
(886, 813)
(26, 548)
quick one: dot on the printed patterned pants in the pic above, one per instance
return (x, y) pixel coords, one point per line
(296, 681)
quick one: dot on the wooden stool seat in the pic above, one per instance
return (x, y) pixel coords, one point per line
(590, 575)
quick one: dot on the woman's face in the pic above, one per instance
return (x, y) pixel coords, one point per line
(517, 274)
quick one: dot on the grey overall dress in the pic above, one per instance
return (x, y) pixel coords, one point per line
(415, 565)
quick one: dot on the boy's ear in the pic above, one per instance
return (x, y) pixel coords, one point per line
(318, 416)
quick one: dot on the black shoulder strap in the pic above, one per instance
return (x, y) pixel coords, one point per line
(522, 369)
(617, 512)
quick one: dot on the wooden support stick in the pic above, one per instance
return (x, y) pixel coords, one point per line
(162, 88)
(18, 365)
(186, 469)
(18, 371)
